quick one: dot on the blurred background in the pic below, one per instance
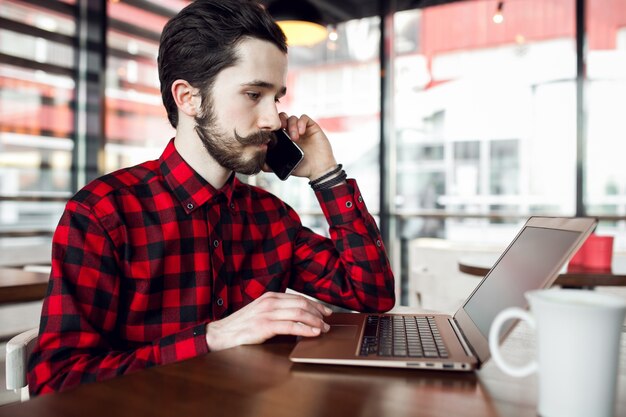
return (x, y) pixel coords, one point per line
(459, 119)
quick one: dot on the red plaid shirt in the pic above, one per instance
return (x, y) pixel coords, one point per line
(145, 257)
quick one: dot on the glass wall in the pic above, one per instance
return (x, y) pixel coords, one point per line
(37, 95)
(136, 124)
(487, 119)
(605, 191)
(485, 116)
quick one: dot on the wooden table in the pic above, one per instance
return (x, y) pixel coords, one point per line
(479, 265)
(17, 285)
(261, 381)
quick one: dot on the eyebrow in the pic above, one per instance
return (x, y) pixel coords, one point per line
(264, 84)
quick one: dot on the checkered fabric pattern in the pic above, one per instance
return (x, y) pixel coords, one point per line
(145, 257)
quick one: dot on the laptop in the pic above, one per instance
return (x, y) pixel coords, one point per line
(460, 342)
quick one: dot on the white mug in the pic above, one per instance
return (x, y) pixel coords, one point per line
(578, 342)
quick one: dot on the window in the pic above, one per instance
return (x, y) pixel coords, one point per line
(37, 100)
(136, 127)
(500, 102)
(605, 177)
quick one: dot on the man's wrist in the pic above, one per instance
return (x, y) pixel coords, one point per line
(331, 178)
(332, 182)
(316, 176)
(212, 340)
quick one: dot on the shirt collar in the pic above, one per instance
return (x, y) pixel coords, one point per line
(189, 187)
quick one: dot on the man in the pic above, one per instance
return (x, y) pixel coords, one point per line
(174, 258)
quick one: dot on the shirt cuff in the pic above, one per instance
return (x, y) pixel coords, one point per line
(342, 204)
(186, 344)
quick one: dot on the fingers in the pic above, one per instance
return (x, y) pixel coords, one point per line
(295, 126)
(283, 119)
(292, 314)
(303, 122)
(290, 301)
(301, 316)
(295, 329)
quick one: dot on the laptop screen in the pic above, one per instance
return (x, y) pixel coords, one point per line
(523, 267)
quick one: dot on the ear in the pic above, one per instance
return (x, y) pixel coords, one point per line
(186, 97)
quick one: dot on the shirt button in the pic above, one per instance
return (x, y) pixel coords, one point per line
(379, 243)
(220, 302)
(216, 243)
(232, 206)
(349, 204)
(360, 199)
(190, 206)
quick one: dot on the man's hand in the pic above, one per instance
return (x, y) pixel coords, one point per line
(318, 154)
(270, 315)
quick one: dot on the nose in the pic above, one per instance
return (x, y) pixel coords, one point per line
(268, 118)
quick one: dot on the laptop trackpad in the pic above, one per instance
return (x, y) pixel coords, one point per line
(342, 331)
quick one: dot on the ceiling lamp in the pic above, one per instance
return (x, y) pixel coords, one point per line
(498, 17)
(300, 20)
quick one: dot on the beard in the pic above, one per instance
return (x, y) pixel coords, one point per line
(227, 149)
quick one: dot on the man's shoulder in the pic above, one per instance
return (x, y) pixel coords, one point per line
(121, 181)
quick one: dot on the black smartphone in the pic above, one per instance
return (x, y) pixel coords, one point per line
(284, 156)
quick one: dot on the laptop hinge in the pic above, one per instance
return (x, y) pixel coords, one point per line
(459, 334)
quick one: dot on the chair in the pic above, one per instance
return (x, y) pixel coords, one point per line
(19, 349)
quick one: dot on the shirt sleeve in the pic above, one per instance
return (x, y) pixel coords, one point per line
(78, 340)
(351, 269)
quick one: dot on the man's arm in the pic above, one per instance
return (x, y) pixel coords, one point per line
(351, 269)
(79, 337)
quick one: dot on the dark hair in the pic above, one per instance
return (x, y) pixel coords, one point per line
(200, 41)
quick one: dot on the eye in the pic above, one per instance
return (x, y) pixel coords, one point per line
(253, 95)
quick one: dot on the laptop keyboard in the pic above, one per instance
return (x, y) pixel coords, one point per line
(402, 336)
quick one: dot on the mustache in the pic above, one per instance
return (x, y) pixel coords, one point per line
(258, 138)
